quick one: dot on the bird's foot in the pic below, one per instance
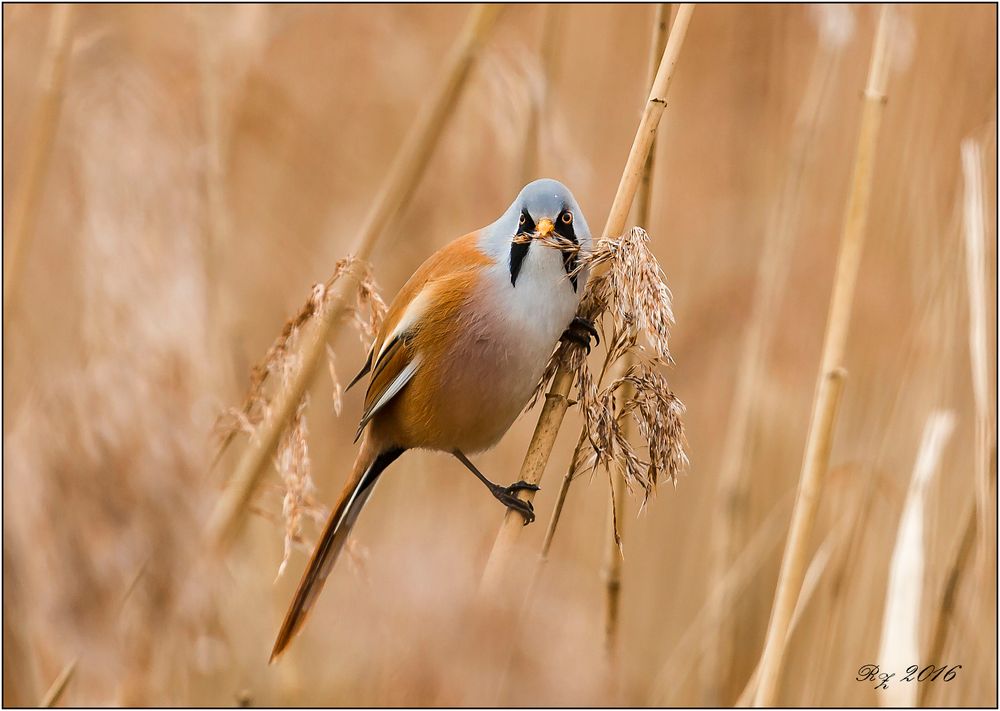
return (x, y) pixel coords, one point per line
(580, 331)
(507, 495)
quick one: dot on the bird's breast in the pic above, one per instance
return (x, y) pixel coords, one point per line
(537, 306)
(486, 356)
(511, 333)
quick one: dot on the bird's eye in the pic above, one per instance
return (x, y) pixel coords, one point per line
(567, 218)
(521, 221)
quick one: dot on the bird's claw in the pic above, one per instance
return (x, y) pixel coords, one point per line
(580, 331)
(586, 325)
(509, 498)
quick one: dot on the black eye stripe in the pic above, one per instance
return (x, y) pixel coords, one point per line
(517, 254)
(526, 225)
(566, 230)
(519, 251)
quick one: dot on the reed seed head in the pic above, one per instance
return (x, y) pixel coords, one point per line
(280, 365)
(631, 290)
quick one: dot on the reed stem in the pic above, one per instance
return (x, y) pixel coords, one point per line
(557, 398)
(58, 687)
(902, 612)
(397, 188)
(821, 423)
(974, 229)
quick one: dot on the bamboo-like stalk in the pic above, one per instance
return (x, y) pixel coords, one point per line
(404, 174)
(974, 228)
(543, 557)
(557, 398)
(613, 567)
(58, 687)
(571, 471)
(657, 45)
(614, 532)
(616, 505)
(772, 274)
(823, 444)
(532, 129)
(821, 422)
(23, 210)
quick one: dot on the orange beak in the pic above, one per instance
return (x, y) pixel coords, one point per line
(544, 227)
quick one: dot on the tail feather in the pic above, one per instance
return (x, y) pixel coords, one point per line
(367, 469)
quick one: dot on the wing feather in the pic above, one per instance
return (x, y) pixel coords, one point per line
(395, 369)
(394, 357)
(364, 370)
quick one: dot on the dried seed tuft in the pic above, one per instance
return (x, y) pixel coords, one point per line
(281, 364)
(633, 292)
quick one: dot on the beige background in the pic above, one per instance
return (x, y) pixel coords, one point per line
(132, 329)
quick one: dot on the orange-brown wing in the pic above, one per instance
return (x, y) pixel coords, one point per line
(458, 255)
(394, 359)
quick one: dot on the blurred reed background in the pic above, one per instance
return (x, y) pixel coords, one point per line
(200, 167)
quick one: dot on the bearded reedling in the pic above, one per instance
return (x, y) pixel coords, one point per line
(461, 350)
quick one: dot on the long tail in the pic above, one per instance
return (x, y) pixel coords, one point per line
(367, 468)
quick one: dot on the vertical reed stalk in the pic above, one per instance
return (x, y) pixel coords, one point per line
(821, 421)
(614, 532)
(613, 556)
(901, 619)
(616, 505)
(402, 179)
(543, 558)
(571, 471)
(557, 398)
(58, 687)
(23, 211)
(772, 274)
(974, 228)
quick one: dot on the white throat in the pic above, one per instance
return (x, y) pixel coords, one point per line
(538, 306)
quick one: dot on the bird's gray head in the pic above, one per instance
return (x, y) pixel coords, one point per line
(543, 207)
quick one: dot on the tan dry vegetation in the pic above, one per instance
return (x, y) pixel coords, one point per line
(210, 164)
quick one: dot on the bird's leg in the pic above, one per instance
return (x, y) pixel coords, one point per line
(580, 331)
(506, 495)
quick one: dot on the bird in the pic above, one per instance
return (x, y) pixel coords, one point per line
(460, 351)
